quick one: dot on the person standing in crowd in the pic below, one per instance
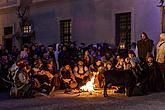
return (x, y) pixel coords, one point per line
(160, 49)
(144, 46)
(32, 54)
(133, 46)
(56, 53)
(86, 58)
(14, 54)
(42, 51)
(51, 52)
(5, 64)
(160, 53)
(24, 53)
(81, 50)
(73, 54)
(63, 57)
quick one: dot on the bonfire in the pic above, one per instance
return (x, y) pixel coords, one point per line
(89, 86)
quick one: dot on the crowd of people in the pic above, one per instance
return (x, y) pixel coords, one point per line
(59, 66)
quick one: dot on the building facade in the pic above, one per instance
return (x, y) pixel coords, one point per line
(88, 21)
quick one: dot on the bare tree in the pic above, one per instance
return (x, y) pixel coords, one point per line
(22, 11)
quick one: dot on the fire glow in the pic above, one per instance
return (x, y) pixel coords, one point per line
(89, 87)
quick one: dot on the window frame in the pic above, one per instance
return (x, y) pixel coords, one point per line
(8, 31)
(27, 29)
(123, 30)
(65, 30)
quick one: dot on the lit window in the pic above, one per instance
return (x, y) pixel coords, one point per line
(27, 29)
(123, 30)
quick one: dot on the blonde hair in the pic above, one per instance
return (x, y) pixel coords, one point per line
(162, 36)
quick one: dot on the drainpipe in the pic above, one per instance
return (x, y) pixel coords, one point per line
(161, 18)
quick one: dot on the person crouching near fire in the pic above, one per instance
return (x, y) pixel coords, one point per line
(52, 74)
(131, 60)
(22, 84)
(68, 78)
(120, 63)
(132, 63)
(81, 73)
(155, 78)
(96, 70)
(42, 79)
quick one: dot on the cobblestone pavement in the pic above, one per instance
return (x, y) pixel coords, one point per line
(84, 101)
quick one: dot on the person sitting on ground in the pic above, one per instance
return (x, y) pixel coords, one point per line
(42, 78)
(22, 84)
(131, 61)
(155, 79)
(53, 74)
(68, 78)
(120, 67)
(120, 63)
(97, 69)
(81, 73)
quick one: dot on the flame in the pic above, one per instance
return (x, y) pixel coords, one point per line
(89, 85)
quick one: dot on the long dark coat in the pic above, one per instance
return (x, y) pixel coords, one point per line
(144, 47)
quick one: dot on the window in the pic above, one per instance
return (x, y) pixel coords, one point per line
(65, 31)
(8, 40)
(8, 30)
(123, 30)
(27, 28)
(8, 43)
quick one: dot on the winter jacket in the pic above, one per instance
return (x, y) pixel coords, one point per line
(144, 47)
(160, 52)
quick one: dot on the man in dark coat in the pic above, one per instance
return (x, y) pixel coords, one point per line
(155, 79)
(144, 46)
(63, 57)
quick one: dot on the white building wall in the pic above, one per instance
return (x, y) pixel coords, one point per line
(6, 20)
(92, 20)
(147, 18)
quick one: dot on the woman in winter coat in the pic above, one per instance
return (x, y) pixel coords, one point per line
(160, 54)
(160, 49)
